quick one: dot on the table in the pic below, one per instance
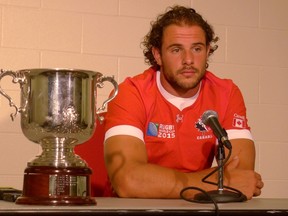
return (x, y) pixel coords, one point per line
(122, 206)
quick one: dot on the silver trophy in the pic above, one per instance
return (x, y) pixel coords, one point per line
(58, 111)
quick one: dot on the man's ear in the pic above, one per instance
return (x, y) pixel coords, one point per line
(157, 55)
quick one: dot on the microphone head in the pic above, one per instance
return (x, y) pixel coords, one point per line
(207, 115)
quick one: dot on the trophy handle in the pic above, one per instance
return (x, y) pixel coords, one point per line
(17, 78)
(115, 92)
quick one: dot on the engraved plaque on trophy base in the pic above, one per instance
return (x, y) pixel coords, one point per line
(56, 186)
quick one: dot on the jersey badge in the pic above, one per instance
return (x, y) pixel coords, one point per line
(152, 129)
(166, 131)
(239, 121)
(201, 126)
(203, 129)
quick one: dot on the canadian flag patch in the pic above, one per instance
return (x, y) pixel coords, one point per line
(238, 122)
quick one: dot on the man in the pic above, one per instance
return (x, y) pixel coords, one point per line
(155, 142)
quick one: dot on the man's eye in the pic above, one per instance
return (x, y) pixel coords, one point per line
(175, 50)
(197, 49)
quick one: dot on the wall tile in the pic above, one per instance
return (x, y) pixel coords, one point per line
(17, 59)
(129, 67)
(269, 122)
(220, 54)
(254, 47)
(227, 12)
(26, 3)
(1, 23)
(143, 7)
(88, 6)
(273, 14)
(268, 165)
(275, 189)
(41, 29)
(20, 27)
(276, 79)
(60, 31)
(113, 35)
(26, 151)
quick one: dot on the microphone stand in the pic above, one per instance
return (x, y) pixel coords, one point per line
(220, 195)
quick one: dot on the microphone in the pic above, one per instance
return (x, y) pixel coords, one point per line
(210, 118)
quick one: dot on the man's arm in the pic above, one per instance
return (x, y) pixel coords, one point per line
(245, 150)
(132, 176)
(241, 164)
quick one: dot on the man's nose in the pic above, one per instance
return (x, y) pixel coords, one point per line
(188, 57)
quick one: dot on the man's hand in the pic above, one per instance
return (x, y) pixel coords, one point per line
(247, 181)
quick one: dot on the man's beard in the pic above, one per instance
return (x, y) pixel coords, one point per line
(183, 85)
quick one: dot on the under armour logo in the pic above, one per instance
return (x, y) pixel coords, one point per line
(179, 118)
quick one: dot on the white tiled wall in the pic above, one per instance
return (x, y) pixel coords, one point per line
(105, 36)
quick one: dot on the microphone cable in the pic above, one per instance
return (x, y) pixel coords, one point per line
(209, 182)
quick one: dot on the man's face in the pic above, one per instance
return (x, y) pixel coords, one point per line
(182, 59)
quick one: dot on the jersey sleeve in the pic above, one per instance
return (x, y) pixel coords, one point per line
(126, 109)
(235, 120)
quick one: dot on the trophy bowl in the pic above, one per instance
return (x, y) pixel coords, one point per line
(58, 111)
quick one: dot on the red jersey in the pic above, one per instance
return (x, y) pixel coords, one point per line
(174, 137)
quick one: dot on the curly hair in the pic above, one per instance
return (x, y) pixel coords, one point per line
(177, 15)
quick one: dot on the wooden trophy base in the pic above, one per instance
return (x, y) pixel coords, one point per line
(45, 185)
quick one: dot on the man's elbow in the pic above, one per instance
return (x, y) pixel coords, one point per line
(124, 187)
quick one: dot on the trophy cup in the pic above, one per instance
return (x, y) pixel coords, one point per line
(58, 110)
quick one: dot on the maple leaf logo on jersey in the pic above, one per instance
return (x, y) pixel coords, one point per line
(201, 126)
